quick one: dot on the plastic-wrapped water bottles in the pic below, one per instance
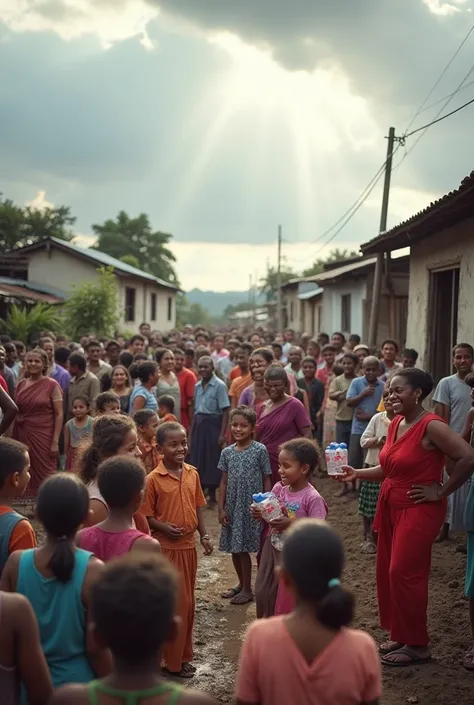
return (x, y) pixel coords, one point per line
(336, 458)
(330, 454)
(269, 505)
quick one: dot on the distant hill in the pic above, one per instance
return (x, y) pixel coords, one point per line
(217, 301)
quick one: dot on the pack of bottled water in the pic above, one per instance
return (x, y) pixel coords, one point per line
(336, 458)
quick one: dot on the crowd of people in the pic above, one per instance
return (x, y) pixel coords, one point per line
(118, 446)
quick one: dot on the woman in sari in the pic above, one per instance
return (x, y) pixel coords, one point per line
(40, 418)
(281, 418)
(410, 512)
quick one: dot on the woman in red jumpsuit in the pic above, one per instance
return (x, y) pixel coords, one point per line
(410, 512)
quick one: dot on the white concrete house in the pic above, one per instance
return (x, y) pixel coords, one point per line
(142, 297)
(339, 299)
(441, 294)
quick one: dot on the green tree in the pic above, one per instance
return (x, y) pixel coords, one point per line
(335, 255)
(130, 260)
(127, 236)
(25, 323)
(268, 285)
(92, 307)
(25, 226)
(194, 314)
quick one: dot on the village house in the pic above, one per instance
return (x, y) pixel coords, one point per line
(339, 299)
(441, 292)
(52, 266)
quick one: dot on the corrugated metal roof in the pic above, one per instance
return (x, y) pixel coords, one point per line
(98, 257)
(311, 293)
(453, 207)
(27, 293)
(340, 271)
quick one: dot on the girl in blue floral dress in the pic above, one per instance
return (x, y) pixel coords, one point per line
(246, 470)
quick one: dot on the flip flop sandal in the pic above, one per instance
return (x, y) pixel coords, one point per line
(390, 647)
(231, 592)
(369, 548)
(241, 599)
(416, 660)
(468, 661)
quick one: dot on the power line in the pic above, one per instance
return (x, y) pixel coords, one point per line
(437, 102)
(355, 207)
(441, 76)
(433, 122)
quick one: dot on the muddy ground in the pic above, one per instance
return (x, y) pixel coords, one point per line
(220, 627)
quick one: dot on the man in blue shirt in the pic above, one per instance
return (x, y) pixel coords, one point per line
(211, 418)
(364, 396)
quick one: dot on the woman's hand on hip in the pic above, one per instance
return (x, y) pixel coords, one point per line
(425, 493)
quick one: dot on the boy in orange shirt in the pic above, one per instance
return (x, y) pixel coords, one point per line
(16, 532)
(166, 408)
(172, 503)
(147, 422)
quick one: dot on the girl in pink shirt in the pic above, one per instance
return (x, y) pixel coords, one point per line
(298, 459)
(121, 483)
(314, 657)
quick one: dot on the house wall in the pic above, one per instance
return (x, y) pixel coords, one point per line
(293, 308)
(333, 292)
(62, 270)
(449, 247)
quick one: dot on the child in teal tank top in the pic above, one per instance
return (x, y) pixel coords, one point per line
(134, 607)
(57, 579)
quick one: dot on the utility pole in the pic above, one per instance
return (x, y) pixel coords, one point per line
(279, 294)
(379, 266)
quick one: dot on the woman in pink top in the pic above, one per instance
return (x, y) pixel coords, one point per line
(314, 658)
(121, 482)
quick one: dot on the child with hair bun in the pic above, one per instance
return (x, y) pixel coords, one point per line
(298, 460)
(57, 578)
(314, 657)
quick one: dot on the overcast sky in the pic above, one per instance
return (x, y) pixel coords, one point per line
(223, 118)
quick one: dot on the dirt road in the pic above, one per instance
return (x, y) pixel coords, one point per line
(220, 626)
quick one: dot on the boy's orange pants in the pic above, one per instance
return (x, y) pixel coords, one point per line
(181, 650)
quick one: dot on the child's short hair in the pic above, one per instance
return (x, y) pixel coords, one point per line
(82, 397)
(165, 428)
(246, 411)
(305, 451)
(313, 557)
(126, 358)
(119, 479)
(143, 417)
(104, 399)
(166, 401)
(12, 458)
(351, 356)
(310, 359)
(133, 605)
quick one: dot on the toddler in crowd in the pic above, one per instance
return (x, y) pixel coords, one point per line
(298, 461)
(134, 606)
(147, 422)
(111, 435)
(121, 482)
(246, 471)
(56, 578)
(77, 429)
(172, 504)
(166, 408)
(16, 532)
(310, 656)
(107, 403)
